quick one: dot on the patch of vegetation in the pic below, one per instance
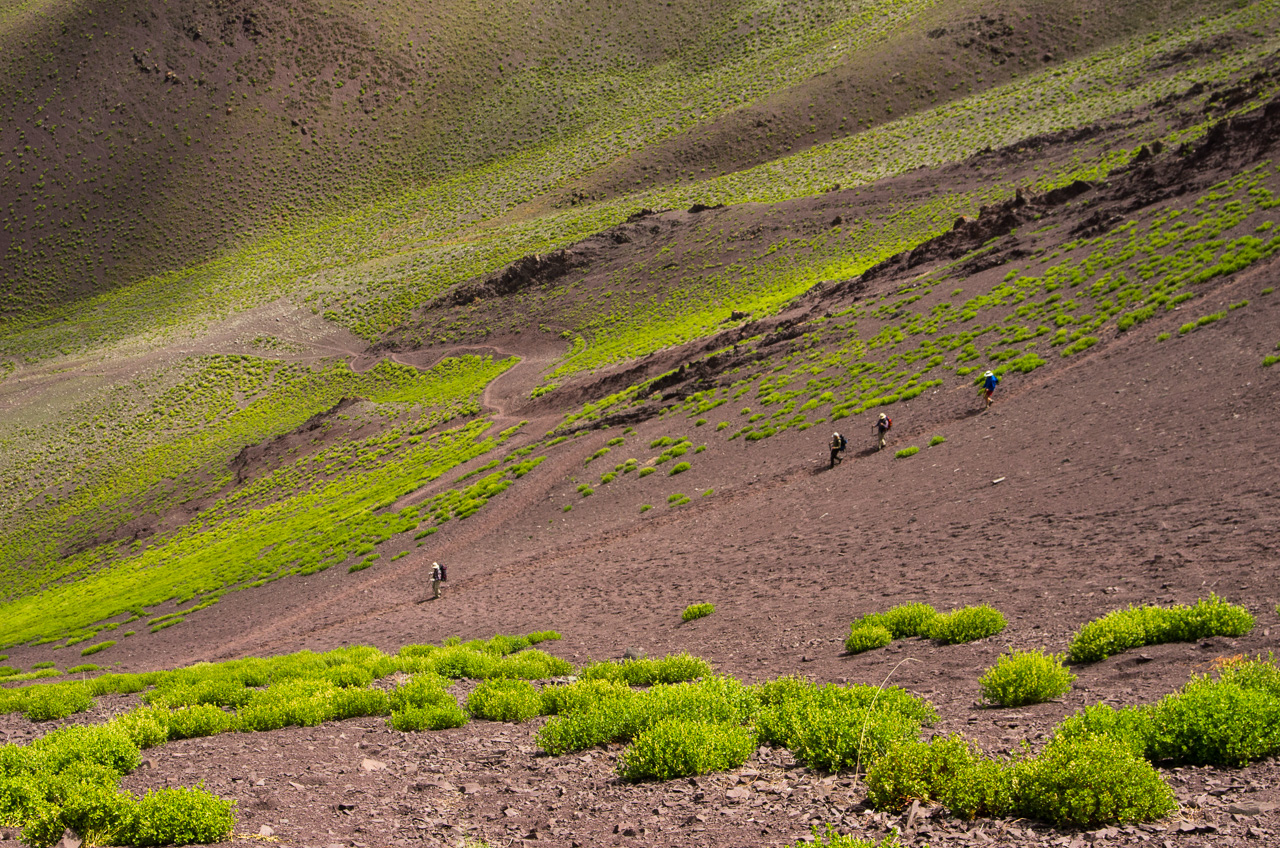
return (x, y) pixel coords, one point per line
(1134, 627)
(1025, 677)
(966, 625)
(697, 611)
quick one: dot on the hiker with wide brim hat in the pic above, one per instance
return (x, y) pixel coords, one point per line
(883, 423)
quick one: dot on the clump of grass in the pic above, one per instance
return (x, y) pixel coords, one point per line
(505, 700)
(697, 611)
(1025, 677)
(906, 452)
(647, 672)
(966, 625)
(683, 747)
(93, 649)
(837, 728)
(947, 770)
(1120, 630)
(867, 637)
(1090, 782)
(937, 440)
(679, 468)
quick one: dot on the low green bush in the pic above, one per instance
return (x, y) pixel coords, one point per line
(182, 816)
(83, 668)
(1120, 630)
(682, 747)
(902, 621)
(669, 669)
(834, 728)
(56, 701)
(1089, 782)
(697, 611)
(505, 700)
(198, 720)
(435, 717)
(948, 771)
(906, 452)
(93, 649)
(679, 468)
(867, 637)
(937, 440)
(582, 694)
(1025, 677)
(831, 838)
(621, 719)
(966, 625)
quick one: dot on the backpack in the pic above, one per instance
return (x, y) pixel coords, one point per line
(443, 573)
(844, 443)
(886, 424)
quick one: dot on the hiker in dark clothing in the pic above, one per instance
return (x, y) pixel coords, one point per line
(837, 445)
(882, 427)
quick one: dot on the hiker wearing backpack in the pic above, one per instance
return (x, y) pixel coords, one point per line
(837, 445)
(882, 427)
(437, 575)
(989, 383)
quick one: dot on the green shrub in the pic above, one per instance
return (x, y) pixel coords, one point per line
(646, 471)
(937, 440)
(581, 695)
(966, 625)
(422, 690)
(198, 720)
(833, 839)
(902, 621)
(621, 719)
(182, 816)
(946, 770)
(1089, 782)
(99, 813)
(670, 669)
(834, 728)
(145, 727)
(1134, 627)
(906, 452)
(697, 611)
(1215, 722)
(434, 717)
(505, 700)
(867, 637)
(83, 668)
(679, 468)
(1025, 677)
(93, 649)
(682, 747)
(348, 676)
(56, 701)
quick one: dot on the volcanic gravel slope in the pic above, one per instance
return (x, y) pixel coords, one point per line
(1135, 472)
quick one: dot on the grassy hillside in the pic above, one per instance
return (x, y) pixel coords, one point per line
(166, 439)
(143, 137)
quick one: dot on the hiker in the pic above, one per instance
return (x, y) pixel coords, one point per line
(837, 445)
(437, 575)
(882, 427)
(989, 383)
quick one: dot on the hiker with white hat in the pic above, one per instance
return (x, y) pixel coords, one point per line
(989, 383)
(882, 427)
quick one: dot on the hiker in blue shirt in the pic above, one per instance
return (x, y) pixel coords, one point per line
(989, 383)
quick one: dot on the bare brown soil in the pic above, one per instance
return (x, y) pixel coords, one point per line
(1138, 472)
